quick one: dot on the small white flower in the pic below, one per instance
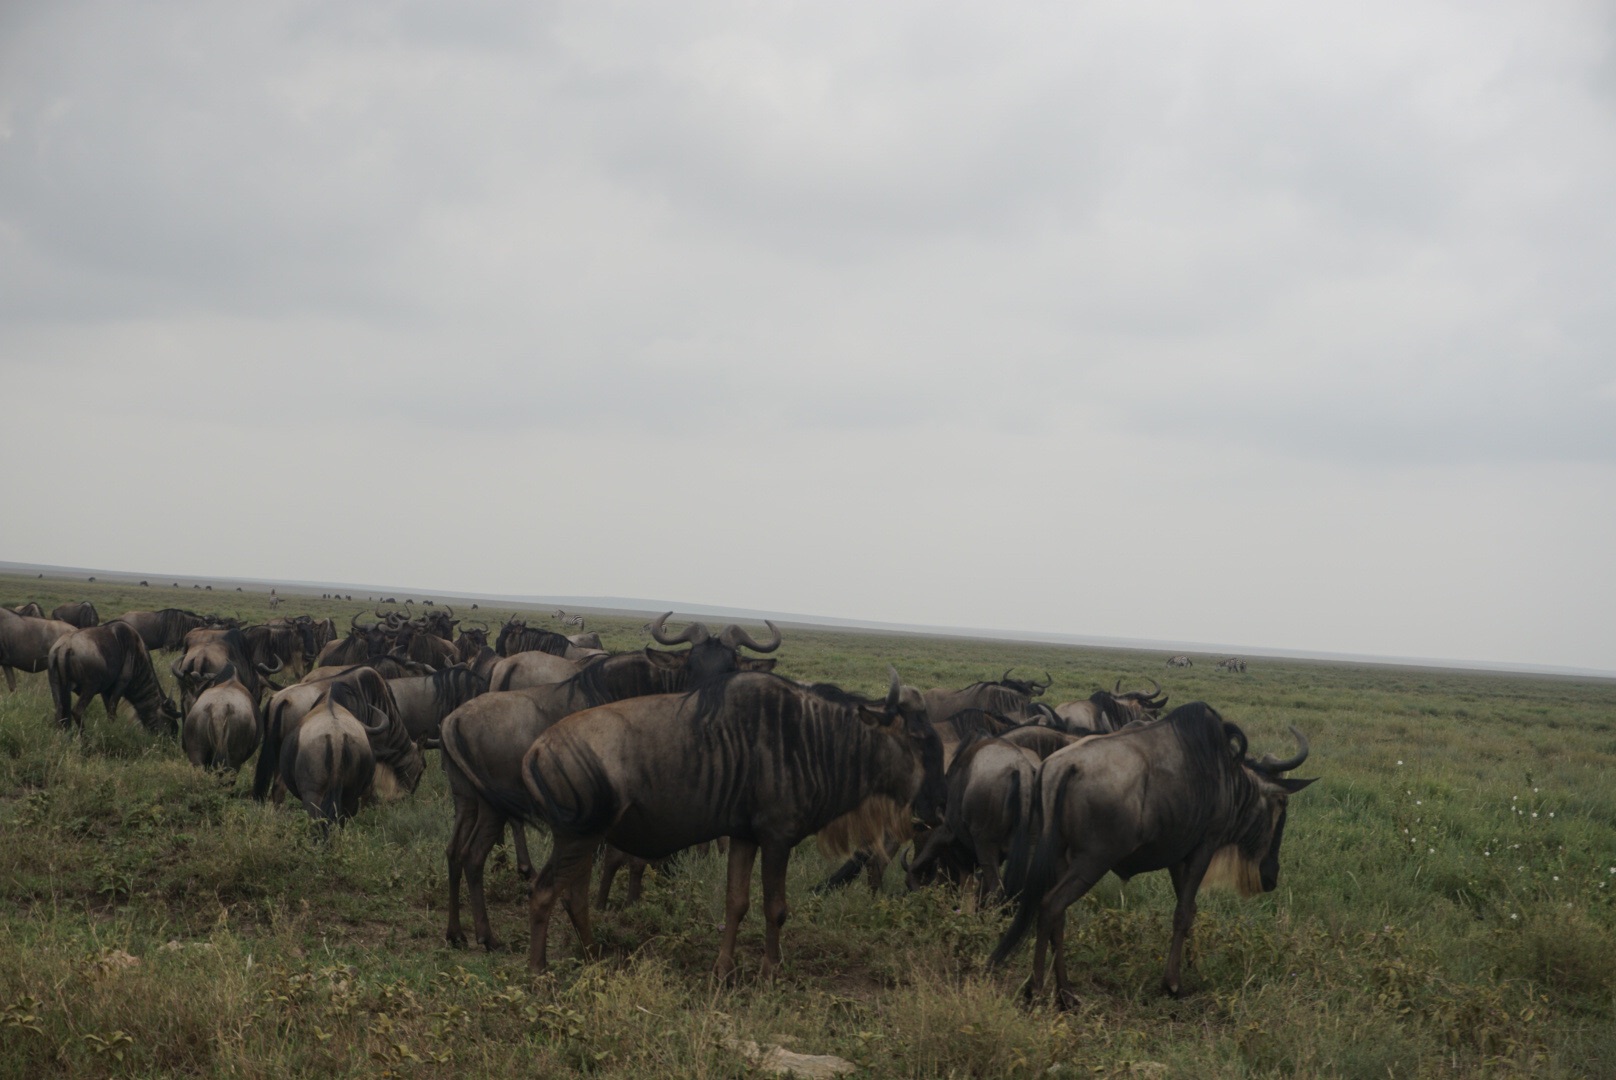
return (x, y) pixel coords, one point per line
(1613, 869)
(1418, 802)
(1514, 916)
(1487, 853)
(1432, 851)
(1534, 791)
(1512, 798)
(1551, 813)
(1399, 763)
(1556, 877)
(1521, 869)
(1534, 813)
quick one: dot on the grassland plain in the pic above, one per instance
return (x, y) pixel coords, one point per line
(1445, 907)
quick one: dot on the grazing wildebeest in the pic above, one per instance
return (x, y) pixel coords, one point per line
(31, 609)
(25, 642)
(112, 661)
(483, 743)
(1180, 795)
(1009, 701)
(590, 640)
(221, 729)
(1110, 711)
(165, 629)
(1180, 661)
(349, 747)
(754, 757)
(81, 614)
(990, 786)
(208, 650)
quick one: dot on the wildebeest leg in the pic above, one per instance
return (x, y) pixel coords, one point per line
(1187, 877)
(465, 821)
(575, 898)
(775, 910)
(487, 827)
(610, 863)
(524, 862)
(736, 900)
(11, 678)
(566, 856)
(875, 870)
(636, 878)
(845, 874)
(79, 707)
(1077, 879)
(990, 890)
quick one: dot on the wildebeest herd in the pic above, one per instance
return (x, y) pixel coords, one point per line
(646, 754)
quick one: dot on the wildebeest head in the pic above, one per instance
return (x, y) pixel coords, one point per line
(1269, 774)
(710, 657)
(1029, 687)
(906, 706)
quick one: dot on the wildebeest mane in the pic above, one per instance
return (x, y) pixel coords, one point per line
(513, 639)
(970, 725)
(144, 692)
(622, 675)
(454, 686)
(1219, 748)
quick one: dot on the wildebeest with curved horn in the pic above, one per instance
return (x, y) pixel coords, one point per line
(362, 642)
(221, 729)
(754, 757)
(25, 642)
(1180, 795)
(352, 746)
(110, 660)
(81, 614)
(31, 610)
(165, 629)
(1111, 710)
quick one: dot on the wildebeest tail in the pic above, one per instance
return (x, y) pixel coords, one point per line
(516, 805)
(61, 693)
(269, 749)
(1031, 871)
(588, 805)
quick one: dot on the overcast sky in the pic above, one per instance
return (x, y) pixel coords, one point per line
(1265, 324)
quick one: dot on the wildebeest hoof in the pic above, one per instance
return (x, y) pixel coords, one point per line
(1066, 1000)
(456, 941)
(1171, 990)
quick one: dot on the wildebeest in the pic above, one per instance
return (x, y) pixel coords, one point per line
(1180, 795)
(525, 669)
(1111, 710)
(208, 651)
(990, 786)
(112, 661)
(518, 637)
(165, 629)
(483, 743)
(79, 615)
(221, 729)
(351, 746)
(31, 609)
(424, 700)
(754, 757)
(25, 642)
(361, 643)
(1180, 661)
(472, 640)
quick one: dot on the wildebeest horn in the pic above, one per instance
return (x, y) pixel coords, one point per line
(1155, 687)
(894, 688)
(1273, 764)
(1049, 681)
(734, 636)
(695, 633)
(449, 609)
(267, 670)
(1118, 688)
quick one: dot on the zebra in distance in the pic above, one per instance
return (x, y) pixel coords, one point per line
(573, 620)
(1234, 663)
(1180, 661)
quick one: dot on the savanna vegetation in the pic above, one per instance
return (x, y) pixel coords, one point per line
(1445, 906)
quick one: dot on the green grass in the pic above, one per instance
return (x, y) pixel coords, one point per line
(1445, 908)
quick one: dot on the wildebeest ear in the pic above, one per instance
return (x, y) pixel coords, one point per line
(665, 659)
(1293, 786)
